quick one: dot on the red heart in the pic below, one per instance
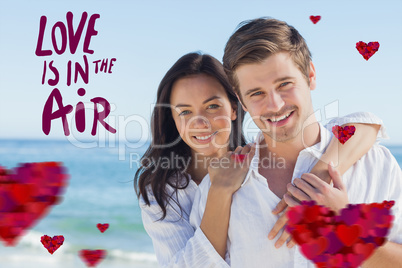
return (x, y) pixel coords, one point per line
(311, 213)
(330, 242)
(343, 134)
(26, 194)
(315, 19)
(21, 192)
(52, 244)
(367, 50)
(335, 260)
(348, 234)
(92, 257)
(102, 227)
(354, 259)
(239, 157)
(325, 230)
(314, 247)
(295, 215)
(364, 249)
(303, 234)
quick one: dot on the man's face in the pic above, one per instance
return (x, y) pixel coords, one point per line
(276, 95)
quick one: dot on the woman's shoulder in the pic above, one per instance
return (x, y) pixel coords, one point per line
(180, 192)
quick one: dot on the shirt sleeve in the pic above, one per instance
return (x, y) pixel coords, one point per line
(176, 242)
(395, 191)
(359, 117)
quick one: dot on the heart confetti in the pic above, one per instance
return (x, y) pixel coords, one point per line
(367, 50)
(239, 157)
(315, 19)
(26, 194)
(102, 227)
(92, 257)
(52, 244)
(344, 240)
(343, 134)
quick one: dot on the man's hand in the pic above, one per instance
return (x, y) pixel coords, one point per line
(310, 187)
(280, 223)
(333, 197)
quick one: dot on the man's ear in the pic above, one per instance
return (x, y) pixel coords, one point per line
(312, 76)
(242, 105)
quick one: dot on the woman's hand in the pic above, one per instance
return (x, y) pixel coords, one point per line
(310, 187)
(228, 172)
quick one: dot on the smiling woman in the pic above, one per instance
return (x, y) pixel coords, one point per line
(197, 119)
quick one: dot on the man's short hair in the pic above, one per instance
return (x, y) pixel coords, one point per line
(255, 40)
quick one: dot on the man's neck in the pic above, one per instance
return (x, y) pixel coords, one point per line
(284, 156)
(290, 149)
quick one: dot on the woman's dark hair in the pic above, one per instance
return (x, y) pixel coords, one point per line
(166, 141)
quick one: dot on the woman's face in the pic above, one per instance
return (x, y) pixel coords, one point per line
(202, 113)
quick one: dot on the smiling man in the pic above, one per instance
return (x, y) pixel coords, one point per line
(271, 71)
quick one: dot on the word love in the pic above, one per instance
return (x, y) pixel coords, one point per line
(315, 19)
(73, 36)
(52, 244)
(26, 195)
(102, 227)
(367, 50)
(344, 240)
(343, 134)
(92, 257)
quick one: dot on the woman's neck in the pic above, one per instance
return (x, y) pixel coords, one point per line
(199, 164)
(197, 174)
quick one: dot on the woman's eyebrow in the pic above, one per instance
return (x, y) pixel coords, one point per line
(212, 98)
(182, 105)
(207, 100)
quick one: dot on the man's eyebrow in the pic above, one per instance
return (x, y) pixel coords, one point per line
(283, 79)
(207, 100)
(250, 91)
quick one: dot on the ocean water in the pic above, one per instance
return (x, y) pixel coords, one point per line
(100, 190)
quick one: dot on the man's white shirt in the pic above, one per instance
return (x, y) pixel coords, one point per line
(372, 179)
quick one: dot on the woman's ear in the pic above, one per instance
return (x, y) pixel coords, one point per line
(234, 112)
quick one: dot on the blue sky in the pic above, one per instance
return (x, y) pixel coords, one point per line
(147, 37)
